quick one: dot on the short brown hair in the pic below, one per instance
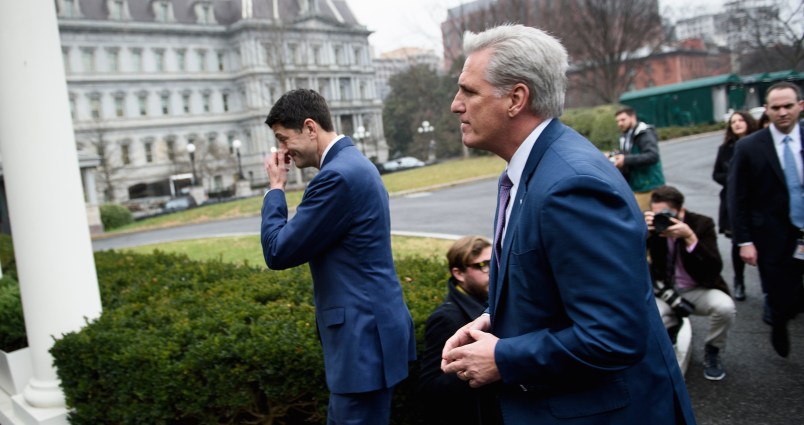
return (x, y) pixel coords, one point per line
(465, 249)
(668, 194)
(626, 110)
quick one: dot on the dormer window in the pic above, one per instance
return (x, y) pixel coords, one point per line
(163, 11)
(69, 8)
(118, 10)
(205, 12)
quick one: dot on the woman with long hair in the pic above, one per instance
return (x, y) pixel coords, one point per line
(740, 124)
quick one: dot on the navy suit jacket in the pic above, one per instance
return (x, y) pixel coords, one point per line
(581, 340)
(343, 229)
(759, 208)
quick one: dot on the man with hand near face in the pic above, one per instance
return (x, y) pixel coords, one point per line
(342, 228)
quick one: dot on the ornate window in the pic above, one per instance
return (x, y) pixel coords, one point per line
(142, 102)
(118, 10)
(164, 101)
(163, 11)
(185, 102)
(205, 101)
(88, 59)
(125, 152)
(148, 147)
(204, 12)
(159, 60)
(119, 104)
(69, 8)
(136, 60)
(113, 59)
(95, 105)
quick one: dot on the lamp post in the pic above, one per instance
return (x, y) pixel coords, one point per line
(427, 128)
(191, 151)
(361, 135)
(236, 145)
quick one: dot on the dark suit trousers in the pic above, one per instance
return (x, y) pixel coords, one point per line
(781, 276)
(371, 408)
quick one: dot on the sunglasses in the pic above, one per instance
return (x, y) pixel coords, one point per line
(483, 266)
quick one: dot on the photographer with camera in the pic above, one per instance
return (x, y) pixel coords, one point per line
(685, 266)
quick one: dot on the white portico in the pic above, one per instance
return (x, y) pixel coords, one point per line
(52, 245)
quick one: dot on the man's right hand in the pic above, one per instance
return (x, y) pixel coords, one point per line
(276, 165)
(749, 254)
(462, 336)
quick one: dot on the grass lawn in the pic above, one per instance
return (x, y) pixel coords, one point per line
(446, 172)
(246, 249)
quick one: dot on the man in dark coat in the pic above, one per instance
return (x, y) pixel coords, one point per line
(686, 260)
(445, 398)
(767, 207)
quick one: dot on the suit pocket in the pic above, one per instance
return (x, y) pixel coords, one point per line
(333, 317)
(592, 401)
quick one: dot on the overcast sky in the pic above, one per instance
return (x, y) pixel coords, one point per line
(417, 23)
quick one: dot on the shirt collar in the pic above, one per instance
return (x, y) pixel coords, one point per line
(329, 146)
(517, 164)
(778, 136)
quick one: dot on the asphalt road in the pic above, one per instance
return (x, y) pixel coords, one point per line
(760, 387)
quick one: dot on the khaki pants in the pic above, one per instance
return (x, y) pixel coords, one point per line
(643, 200)
(708, 302)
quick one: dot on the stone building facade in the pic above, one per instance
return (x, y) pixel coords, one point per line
(146, 78)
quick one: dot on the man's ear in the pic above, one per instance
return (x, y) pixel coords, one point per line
(520, 99)
(310, 125)
(457, 274)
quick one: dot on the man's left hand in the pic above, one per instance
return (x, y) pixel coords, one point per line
(680, 230)
(474, 362)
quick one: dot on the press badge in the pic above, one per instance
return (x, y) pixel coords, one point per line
(799, 254)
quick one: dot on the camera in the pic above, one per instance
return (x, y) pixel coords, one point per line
(680, 306)
(612, 154)
(661, 220)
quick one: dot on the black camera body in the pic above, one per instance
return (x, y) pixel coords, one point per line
(661, 220)
(680, 306)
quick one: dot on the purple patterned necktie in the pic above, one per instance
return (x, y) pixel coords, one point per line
(505, 193)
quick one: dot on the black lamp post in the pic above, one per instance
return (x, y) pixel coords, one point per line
(236, 145)
(191, 151)
(361, 135)
(427, 128)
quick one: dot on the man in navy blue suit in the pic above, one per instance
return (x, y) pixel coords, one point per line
(767, 210)
(572, 333)
(342, 228)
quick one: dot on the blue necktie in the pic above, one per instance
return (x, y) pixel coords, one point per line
(505, 193)
(793, 185)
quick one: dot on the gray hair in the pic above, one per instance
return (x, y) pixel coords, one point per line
(527, 55)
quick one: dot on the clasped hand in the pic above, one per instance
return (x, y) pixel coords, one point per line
(276, 165)
(470, 353)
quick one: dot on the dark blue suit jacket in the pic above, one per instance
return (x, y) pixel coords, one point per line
(759, 208)
(343, 229)
(581, 338)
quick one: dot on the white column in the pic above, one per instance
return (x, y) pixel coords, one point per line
(46, 204)
(89, 185)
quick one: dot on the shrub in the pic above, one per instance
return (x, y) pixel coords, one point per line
(181, 341)
(596, 124)
(12, 323)
(114, 216)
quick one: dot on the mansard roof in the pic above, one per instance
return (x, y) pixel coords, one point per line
(230, 11)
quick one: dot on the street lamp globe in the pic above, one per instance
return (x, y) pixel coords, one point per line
(191, 151)
(236, 145)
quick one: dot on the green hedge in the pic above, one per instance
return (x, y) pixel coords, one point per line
(183, 342)
(114, 216)
(12, 323)
(600, 127)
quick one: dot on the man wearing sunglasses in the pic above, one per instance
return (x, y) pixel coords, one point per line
(446, 398)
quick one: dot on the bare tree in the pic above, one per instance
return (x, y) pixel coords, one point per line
(607, 41)
(97, 140)
(769, 35)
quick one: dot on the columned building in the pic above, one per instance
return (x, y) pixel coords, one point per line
(147, 78)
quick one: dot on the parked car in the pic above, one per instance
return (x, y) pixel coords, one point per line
(402, 164)
(180, 203)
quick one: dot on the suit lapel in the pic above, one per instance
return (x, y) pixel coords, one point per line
(545, 140)
(769, 150)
